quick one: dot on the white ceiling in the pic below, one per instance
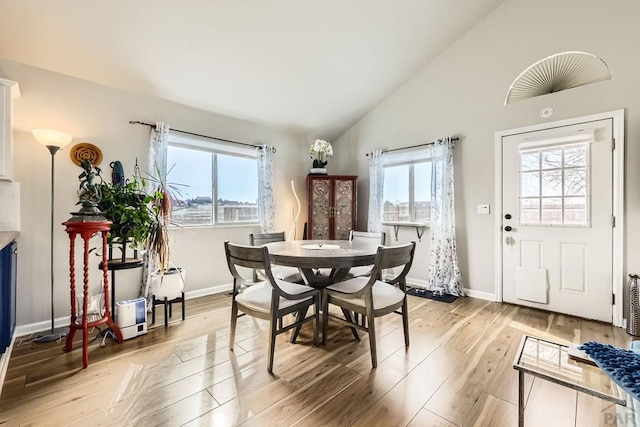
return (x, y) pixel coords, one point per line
(313, 67)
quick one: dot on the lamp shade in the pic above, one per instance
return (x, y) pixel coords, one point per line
(49, 137)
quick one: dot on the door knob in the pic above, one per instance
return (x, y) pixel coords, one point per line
(508, 228)
(507, 216)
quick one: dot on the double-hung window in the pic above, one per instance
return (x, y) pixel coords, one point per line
(218, 183)
(407, 188)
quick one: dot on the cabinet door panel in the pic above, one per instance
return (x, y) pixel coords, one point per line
(319, 208)
(343, 208)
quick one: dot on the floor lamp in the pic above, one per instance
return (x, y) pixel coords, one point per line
(54, 140)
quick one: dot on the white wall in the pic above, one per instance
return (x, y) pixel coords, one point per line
(461, 93)
(101, 115)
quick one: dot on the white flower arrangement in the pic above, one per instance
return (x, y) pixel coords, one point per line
(320, 150)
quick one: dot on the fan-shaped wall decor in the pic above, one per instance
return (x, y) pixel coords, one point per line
(558, 72)
(85, 151)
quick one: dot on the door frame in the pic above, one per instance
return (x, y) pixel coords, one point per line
(617, 117)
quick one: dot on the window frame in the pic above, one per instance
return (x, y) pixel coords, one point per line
(214, 148)
(403, 160)
(527, 148)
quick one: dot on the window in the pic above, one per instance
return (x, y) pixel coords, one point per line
(407, 190)
(218, 183)
(554, 185)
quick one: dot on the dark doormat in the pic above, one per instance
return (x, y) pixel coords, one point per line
(426, 293)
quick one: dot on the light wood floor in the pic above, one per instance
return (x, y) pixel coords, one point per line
(456, 372)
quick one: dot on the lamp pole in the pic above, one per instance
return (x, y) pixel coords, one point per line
(54, 141)
(53, 149)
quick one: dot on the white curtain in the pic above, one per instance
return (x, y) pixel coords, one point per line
(157, 169)
(266, 201)
(158, 150)
(444, 273)
(376, 188)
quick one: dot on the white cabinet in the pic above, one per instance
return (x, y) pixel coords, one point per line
(8, 90)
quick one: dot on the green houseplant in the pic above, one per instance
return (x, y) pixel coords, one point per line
(167, 280)
(128, 208)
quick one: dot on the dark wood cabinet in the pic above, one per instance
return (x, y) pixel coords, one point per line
(332, 210)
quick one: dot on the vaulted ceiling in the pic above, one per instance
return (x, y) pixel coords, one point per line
(313, 67)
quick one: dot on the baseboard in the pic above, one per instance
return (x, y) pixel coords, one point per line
(61, 322)
(488, 296)
(468, 292)
(219, 289)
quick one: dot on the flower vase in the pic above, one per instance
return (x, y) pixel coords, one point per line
(318, 171)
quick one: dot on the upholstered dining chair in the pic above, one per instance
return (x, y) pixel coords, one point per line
(269, 300)
(290, 274)
(371, 297)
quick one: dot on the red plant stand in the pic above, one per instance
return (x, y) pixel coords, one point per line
(86, 229)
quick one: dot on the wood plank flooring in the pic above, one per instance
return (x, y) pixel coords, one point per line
(456, 372)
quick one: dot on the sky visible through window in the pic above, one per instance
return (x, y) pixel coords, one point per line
(238, 176)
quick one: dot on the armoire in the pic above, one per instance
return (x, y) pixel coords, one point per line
(332, 206)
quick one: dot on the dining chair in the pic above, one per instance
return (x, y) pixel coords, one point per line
(290, 274)
(269, 300)
(371, 297)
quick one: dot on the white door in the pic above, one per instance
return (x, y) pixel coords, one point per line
(557, 238)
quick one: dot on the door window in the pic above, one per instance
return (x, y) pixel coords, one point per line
(554, 185)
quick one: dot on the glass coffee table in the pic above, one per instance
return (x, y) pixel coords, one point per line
(550, 361)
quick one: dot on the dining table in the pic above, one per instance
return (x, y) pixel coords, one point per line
(311, 255)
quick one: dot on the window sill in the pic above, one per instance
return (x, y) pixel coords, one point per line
(419, 226)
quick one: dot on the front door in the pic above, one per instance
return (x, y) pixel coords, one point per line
(557, 239)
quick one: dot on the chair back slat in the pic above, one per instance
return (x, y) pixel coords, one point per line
(263, 239)
(365, 236)
(246, 256)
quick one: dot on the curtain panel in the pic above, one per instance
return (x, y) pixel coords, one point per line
(444, 272)
(158, 139)
(376, 191)
(266, 200)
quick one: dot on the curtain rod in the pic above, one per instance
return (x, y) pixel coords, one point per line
(414, 146)
(273, 149)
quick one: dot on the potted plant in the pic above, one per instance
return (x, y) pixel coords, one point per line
(127, 207)
(320, 151)
(167, 280)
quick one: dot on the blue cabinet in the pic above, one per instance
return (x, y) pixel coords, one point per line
(8, 268)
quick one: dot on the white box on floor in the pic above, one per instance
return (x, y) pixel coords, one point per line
(131, 317)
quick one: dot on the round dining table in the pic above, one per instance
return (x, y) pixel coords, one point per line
(338, 255)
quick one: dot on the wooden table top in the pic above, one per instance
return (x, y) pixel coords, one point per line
(330, 253)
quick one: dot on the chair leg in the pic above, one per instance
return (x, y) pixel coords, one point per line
(272, 342)
(372, 336)
(405, 322)
(232, 327)
(316, 322)
(347, 315)
(301, 315)
(325, 318)
(183, 308)
(153, 309)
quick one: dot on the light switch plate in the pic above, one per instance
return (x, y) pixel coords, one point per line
(483, 210)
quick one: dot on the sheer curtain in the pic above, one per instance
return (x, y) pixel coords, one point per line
(266, 201)
(158, 139)
(376, 187)
(158, 150)
(444, 273)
